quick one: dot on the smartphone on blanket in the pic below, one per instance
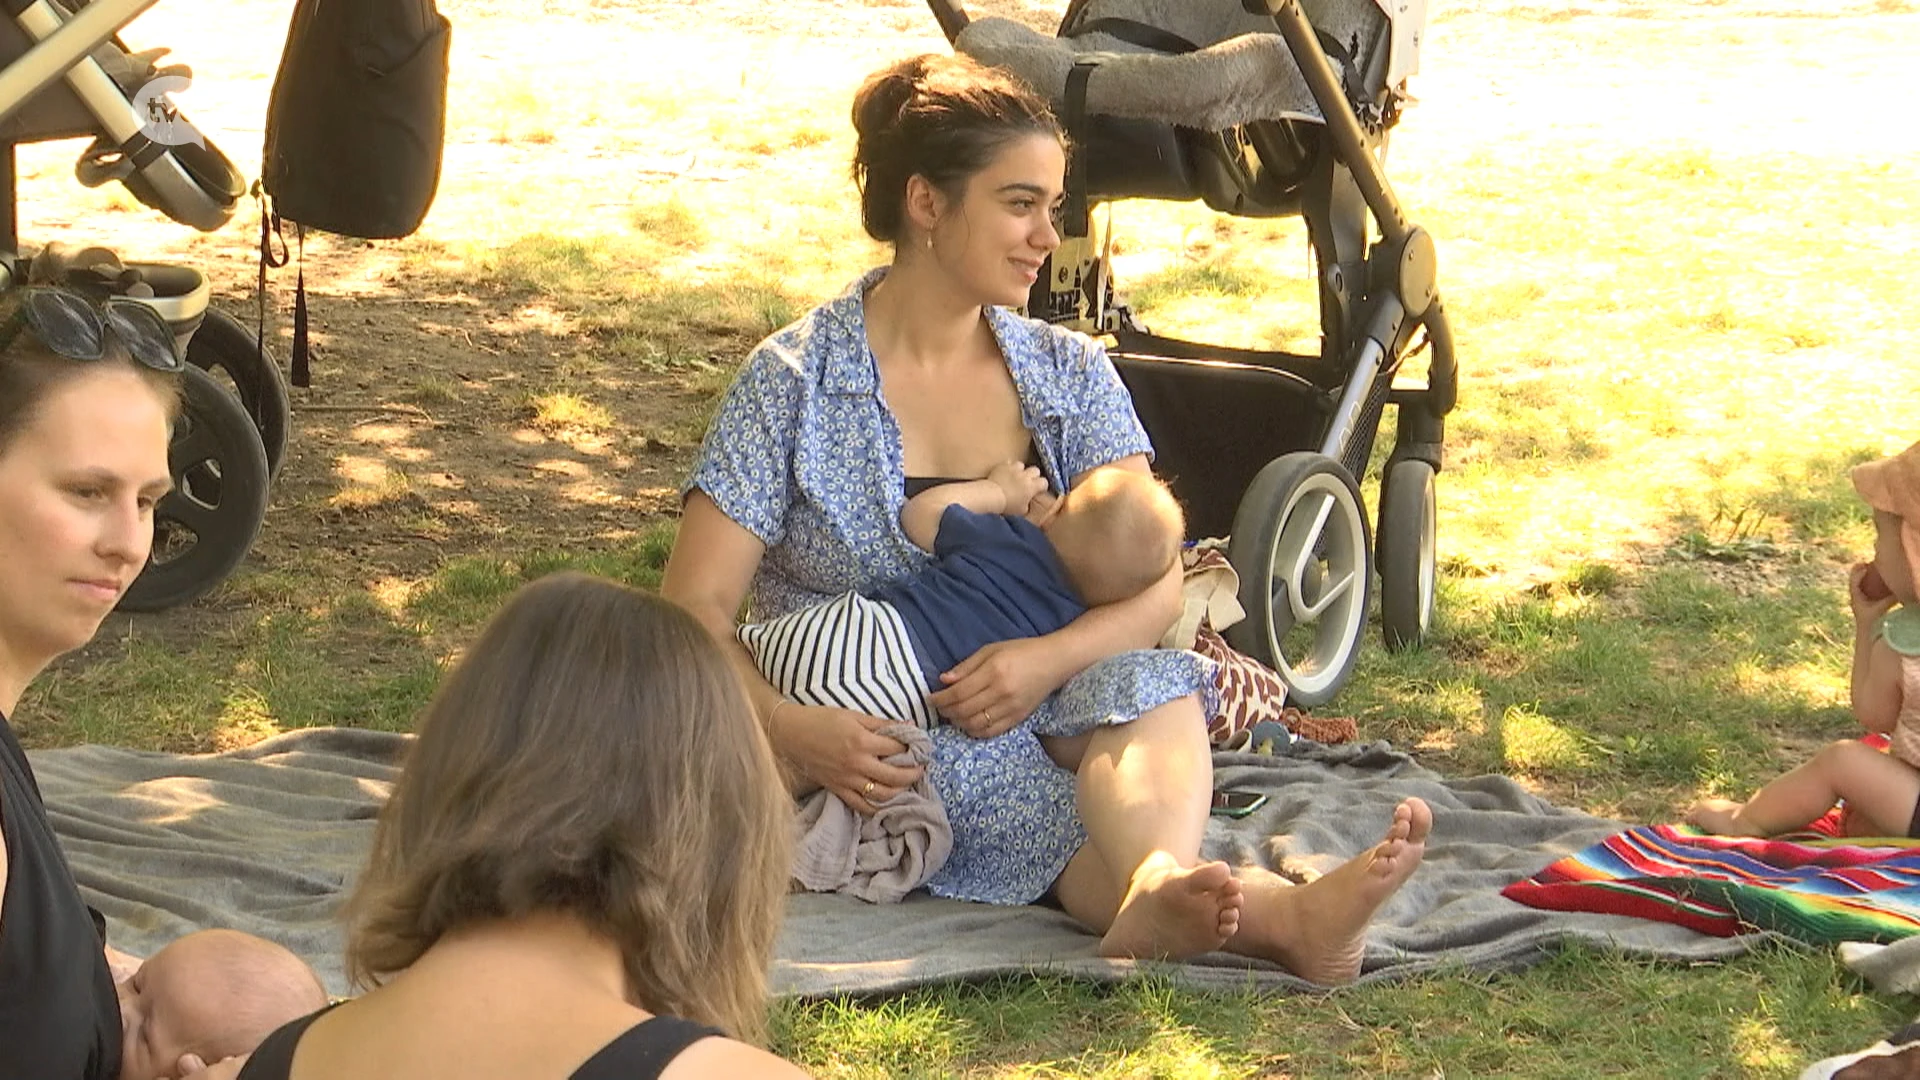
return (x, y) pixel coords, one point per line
(1237, 804)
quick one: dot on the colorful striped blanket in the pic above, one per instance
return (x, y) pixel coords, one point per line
(1813, 888)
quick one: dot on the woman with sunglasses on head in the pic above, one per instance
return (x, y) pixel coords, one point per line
(87, 397)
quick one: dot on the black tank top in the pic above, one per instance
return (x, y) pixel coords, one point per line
(914, 485)
(59, 1018)
(642, 1052)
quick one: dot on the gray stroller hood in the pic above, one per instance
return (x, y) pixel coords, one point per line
(1241, 72)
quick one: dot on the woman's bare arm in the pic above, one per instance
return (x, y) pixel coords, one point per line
(708, 573)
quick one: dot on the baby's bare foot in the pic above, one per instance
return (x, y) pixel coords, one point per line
(1720, 817)
(1172, 912)
(1318, 930)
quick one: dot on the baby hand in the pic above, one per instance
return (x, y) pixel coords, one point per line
(1019, 482)
(1043, 508)
(1867, 593)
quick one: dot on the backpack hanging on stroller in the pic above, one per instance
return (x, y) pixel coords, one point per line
(355, 126)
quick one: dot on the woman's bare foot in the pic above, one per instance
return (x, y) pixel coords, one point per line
(1720, 817)
(1318, 931)
(1172, 912)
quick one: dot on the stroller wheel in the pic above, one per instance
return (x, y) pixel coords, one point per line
(205, 525)
(1405, 552)
(1300, 547)
(223, 347)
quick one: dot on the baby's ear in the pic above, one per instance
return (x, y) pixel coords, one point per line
(188, 1064)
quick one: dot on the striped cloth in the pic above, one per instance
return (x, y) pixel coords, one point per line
(1815, 889)
(850, 653)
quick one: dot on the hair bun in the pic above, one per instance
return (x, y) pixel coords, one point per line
(878, 105)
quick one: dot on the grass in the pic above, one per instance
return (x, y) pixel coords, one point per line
(1668, 363)
(1579, 1012)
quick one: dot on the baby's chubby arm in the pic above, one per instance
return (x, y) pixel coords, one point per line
(1008, 489)
(1876, 684)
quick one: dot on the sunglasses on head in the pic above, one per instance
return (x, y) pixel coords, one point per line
(70, 324)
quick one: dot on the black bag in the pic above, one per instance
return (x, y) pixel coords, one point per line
(355, 127)
(357, 116)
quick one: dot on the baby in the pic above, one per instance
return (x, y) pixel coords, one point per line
(1882, 791)
(996, 575)
(208, 996)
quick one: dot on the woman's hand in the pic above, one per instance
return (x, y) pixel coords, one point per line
(998, 686)
(842, 751)
(1869, 605)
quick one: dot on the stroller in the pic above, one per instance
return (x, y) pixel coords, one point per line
(1262, 112)
(65, 74)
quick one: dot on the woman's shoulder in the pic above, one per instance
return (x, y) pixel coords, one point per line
(1039, 339)
(808, 346)
(726, 1057)
(1053, 361)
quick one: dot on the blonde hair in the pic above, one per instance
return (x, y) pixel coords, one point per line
(30, 373)
(1116, 533)
(594, 754)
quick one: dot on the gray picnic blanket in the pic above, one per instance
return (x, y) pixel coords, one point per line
(268, 839)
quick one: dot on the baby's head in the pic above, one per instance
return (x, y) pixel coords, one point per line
(1116, 533)
(1892, 487)
(207, 996)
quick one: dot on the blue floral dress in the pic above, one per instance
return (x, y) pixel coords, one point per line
(805, 454)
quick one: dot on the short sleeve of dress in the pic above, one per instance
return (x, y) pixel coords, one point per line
(746, 460)
(1102, 427)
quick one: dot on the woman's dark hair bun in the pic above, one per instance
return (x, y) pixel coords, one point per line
(936, 116)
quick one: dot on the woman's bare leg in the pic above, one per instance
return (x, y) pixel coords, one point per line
(1144, 789)
(1318, 931)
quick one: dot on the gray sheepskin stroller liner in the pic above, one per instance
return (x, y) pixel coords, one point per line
(1262, 111)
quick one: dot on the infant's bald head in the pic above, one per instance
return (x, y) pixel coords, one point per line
(210, 995)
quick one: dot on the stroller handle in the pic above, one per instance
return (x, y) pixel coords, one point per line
(43, 65)
(1341, 125)
(951, 18)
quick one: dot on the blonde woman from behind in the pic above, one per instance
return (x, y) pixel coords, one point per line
(556, 887)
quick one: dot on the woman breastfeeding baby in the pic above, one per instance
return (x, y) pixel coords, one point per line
(1073, 765)
(87, 398)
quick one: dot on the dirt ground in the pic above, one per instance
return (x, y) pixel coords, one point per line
(481, 478)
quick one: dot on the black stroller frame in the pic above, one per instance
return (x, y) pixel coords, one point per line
(1267, 447)
(66, 74)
